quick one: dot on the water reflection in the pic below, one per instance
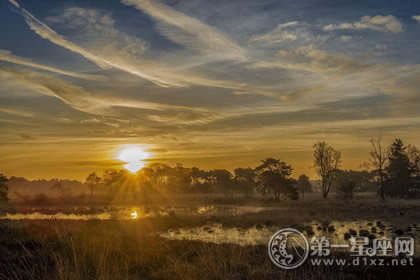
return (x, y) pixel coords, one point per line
(56, 216)
(218, 234)
(134, 215)
(121, 213)
(337, 231)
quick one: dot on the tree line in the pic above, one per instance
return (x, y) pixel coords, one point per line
(272, 177)
(394, 171)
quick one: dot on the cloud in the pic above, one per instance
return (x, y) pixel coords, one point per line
(345, 38)
(189, 32)
(308, 58)
(379, 23)
(47, 33)
(72, 95)
(26, 136)
(417, 18)
(185, 117)
(108, 53)
(7, 56)
(291, 33)
(16, 112)
(98, 29)
(14, 3)
(277, 35)
(106, 62)
(77, 97)
(343, 110)
(111, 48)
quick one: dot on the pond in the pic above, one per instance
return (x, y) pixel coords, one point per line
(337, 231)
(124, 213)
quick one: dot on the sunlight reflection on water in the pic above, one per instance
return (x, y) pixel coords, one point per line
(56, 216)
(119, 213)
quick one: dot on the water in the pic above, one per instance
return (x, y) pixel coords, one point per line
(118, 213)
(56, 216)
(260, 234)
(336, 231)
(218, 234)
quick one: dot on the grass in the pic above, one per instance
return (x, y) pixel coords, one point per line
(57, 249)
(107, 250)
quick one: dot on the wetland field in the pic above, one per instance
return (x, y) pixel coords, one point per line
(191, 237)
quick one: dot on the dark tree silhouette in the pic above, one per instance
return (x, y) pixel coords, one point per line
(273, 177)
(3, 187)
(114, 181)
(304, 185)
(414, 155)
(222, 179)
(378, 160)
(181, 178)
(326, 161)
(400, 170)
(92, 181)
(347, 181)
(245, 180)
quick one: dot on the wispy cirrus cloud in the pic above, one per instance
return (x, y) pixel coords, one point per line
(46, 32)
(16, 112)
(308, 58)
(79, 98)
(278, 34)
(97, 29)
(190, 32)
(108, 53)
(387, 23)
(7, 56)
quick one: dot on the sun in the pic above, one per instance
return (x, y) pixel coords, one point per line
(134, 215)
(134, 157)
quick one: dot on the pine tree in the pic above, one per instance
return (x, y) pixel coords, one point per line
(399, 170)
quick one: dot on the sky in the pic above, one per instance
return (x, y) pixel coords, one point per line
(208, 83)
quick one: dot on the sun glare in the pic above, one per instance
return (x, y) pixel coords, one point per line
(134, 215)
(134, 158)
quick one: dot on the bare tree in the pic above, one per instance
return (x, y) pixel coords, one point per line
(378, 160)
(326, 162)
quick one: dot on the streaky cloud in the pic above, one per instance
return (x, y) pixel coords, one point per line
(387, 23)
(159, 74)
(310, 59)
(15, 112)
(8, 56)
(77, 97)
(204, 38)
(46, 32)
(277, 35)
